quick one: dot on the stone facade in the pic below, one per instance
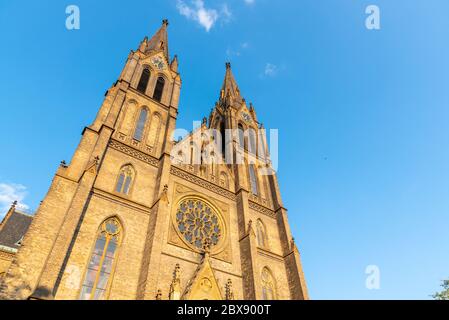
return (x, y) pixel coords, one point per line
(180, 228)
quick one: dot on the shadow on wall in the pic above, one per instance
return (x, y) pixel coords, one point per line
(19, 292)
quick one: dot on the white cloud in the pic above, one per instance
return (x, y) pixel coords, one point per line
(206, 17)
(270, 70)
(250, 1)
(10, 193)
(238, 52)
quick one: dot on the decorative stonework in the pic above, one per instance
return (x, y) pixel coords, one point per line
(198, 223)
(202, 183)
(175, 287)
(229, 290)
(222, 251)
(257, 207)
(261, 201)
(133, 153)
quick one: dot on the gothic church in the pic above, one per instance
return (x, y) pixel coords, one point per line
(138, 215)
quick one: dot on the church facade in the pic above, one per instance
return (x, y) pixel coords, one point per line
(137, 215)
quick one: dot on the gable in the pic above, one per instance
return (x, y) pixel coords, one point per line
(204, 285)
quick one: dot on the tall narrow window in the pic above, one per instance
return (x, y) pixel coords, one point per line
(98, 275)
(212, 164)
(125, 180)
(223, 138)
(261, 234)
(159, 89)
(253, 180)
(192, 154)
(140, 127)
(241, 136)
(252, 141)
(268, 285)
(143, 82)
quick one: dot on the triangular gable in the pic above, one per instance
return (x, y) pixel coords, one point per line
(204, 285)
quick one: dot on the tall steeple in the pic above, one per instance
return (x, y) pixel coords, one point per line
(159, 42)
(230, 92)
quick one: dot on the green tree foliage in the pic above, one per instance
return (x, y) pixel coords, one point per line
(443, 295)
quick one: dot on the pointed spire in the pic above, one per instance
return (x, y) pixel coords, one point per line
(143, 44)
(175, 287)
(230, 89)
(159, 42)
(174, 64)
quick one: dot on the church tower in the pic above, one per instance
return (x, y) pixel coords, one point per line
(137, 215)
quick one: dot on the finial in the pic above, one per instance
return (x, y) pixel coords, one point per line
(250, 226)
(228, 65)
(205, 121)
(175, 287)
(63, 164)
(177, 272)
(165, 22)
(229, 290)
(14, 204)
(292, 243)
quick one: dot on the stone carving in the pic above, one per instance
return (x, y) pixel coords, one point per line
(175, 287)
(133, 153)
(257, 207)
(198, 224)
(202, 183)
(229, 290)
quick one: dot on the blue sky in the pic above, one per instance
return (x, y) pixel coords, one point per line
(362, 114)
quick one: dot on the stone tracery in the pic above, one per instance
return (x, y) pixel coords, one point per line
(198, 223)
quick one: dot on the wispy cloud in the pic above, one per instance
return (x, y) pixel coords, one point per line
(230, 52)
(270, 70)
(196, 10)
(10, 193)
(249, 2)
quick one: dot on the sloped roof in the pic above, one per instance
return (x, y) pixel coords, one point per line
(13, 228)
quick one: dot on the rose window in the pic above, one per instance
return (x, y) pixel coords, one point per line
(198, 223)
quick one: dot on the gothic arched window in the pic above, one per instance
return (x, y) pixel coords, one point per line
(261, 234)
(125, 180)
(159, 89)
(241, 136)
(252, 141)
(143, 82)
(253, 180)
(154, 129)
(268, 285)
(101, 264)
(223, 138)
(140, 127)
